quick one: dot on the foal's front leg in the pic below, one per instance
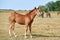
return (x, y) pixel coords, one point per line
(30, 31)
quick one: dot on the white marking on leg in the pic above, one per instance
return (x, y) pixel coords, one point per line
(30, 31)
(25, 35)
(30, 35)
(9, 32)
(14, 34)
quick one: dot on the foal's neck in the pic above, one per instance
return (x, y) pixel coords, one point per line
(32, 15)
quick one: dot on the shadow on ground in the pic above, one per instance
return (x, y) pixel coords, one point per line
(40, 35)
(21, 37)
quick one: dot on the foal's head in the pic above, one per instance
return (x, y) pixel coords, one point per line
(37, 11)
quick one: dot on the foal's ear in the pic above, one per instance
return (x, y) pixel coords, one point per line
(35, 7)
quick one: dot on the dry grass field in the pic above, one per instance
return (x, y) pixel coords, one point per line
(42, 28)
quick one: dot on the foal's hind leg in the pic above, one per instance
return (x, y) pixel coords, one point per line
(12, 26)
(9, 32)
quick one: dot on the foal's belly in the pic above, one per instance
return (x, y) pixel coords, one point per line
(20, 21)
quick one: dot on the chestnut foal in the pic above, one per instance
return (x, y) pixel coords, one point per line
(26, 19)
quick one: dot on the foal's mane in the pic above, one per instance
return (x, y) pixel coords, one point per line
(30, 11)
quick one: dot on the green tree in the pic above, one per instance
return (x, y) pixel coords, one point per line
(50, 6)
(53, 6)
(42, 8)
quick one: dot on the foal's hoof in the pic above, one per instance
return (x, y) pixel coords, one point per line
(31, 36)
(25, 37)
(15, 35)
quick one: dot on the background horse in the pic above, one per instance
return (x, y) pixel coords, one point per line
(41, 14)
(48, 14)
(58, 13)
(26, 19)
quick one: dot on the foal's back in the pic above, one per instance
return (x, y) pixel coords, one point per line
(17, 18)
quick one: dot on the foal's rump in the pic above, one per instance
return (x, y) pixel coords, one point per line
(12, 17)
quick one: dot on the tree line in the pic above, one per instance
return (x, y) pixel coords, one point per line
(50, 6)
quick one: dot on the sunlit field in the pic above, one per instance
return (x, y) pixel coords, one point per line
(42, 28)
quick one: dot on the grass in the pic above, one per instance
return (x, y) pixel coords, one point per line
(42, 28)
